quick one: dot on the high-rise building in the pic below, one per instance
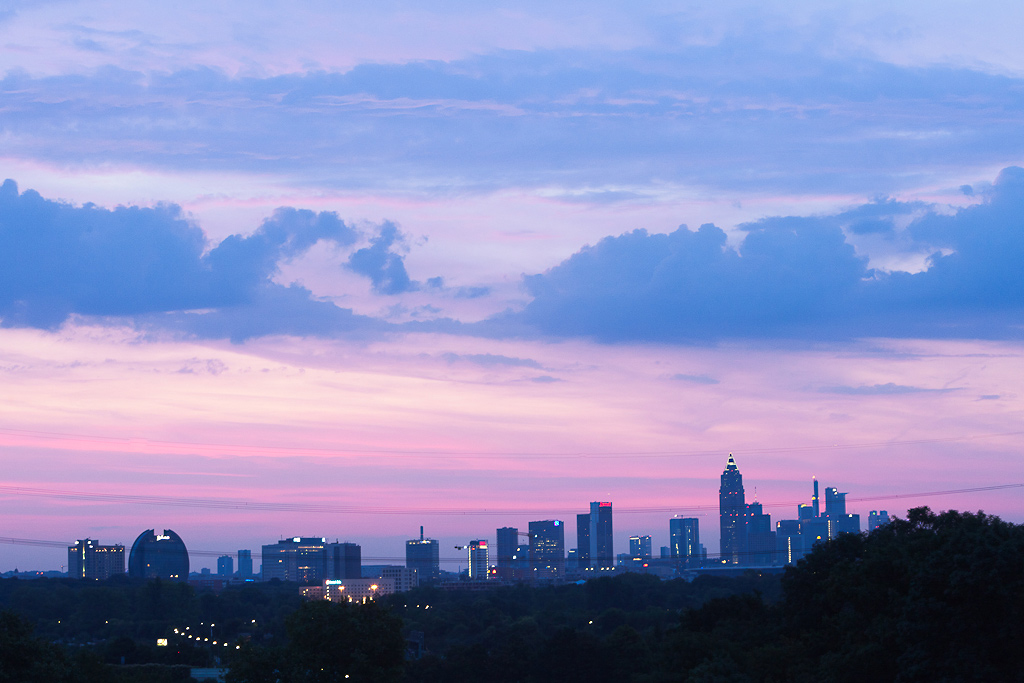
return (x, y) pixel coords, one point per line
(423, 555)
(87, 559)
(732, 511)
(225, 566)
(684, 540)
(163, 557)
(547, 549)
(835, 503)
(877, 518)
(760, 537)
(507, 542)
(310, 560)
(788, 543)
(244, 564)
(479, 568)
(344, 561)
(640, 548)
(594, 537)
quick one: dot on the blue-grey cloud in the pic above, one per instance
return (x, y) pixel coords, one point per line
(744, 114)
(384, 266)
(695, 379)
(887, 389)
(154, 265)
(793, 277)
(492, 360)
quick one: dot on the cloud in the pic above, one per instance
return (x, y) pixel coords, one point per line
(381, 264)
(545, 379)
(491, 360)
(887, 389)
(590, 125)
(794, 277)
(695, 379)
(154, 265)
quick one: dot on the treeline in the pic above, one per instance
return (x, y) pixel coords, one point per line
(928, 598)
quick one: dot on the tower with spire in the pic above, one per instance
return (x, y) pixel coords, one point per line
(732, 511)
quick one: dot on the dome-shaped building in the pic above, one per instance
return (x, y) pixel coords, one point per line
(163, 557)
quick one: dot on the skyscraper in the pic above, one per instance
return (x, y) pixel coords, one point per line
(731, 511)
(640, 548)
(311, 560)
(684, 540)
(225, 566)
(87, 559)
(877, 518)
(507, 542)
(594, 537)
(163, 557)
(244, 564)
(478, 561)
(423, 555)
(547, 549)
(760, 537)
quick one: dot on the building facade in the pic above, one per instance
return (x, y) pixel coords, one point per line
(423, 555)
(87, 559)
(311, 560)
(594, 546)
(225, 566)
(479, 566)
(245, 564)
(547, 549)
(684, 541)
(158, 557)
(732, 515)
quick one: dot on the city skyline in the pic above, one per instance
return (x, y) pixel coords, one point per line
(343, 270)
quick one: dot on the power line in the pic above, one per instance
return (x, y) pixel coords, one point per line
(318, 508)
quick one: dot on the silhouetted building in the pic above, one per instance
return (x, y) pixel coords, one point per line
(640, 548)
(547, 549)
(732, 511)
(594, 545)
(244, 564)
(877, 518)
(405, 579)
(311, 560)
(788, 542)
(163, 557)
(87, 559)
(479, 568)
(507, 542)
(760, 537)
(684, 540)
(423, 555)
(225, 566)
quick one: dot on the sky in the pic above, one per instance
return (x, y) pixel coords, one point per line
(345, 269)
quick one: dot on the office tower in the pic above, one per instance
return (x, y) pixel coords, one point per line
(684, 539)
(310, 560)
(805, 511)
(788, 543)
(87, 559)
(547, 549)
(225, 566)
(163, 557)
(815, 511)
(732, 510)
(478, 561)
(594, 537)
(244, 564)
(835, 503)
(344, 561)
(877, 518)
(507, 542)
(760, 537)
(640, 548)
(299, 559)
(423, 555)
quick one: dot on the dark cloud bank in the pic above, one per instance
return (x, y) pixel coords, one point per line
(790, 278)
(154, 266)
(795, 277)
